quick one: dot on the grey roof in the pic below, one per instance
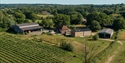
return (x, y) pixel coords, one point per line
(26, 24)
(79, 30)
(107, 30)
(31, 28)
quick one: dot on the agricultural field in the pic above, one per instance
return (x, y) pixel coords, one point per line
(122, 35)
(45, 48)
(16, 50)
(93, 47)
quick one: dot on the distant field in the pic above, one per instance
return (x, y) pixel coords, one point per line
(44, 16)
(122, 35)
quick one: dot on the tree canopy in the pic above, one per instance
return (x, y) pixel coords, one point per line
(95, 25)
(119, 23)
(61, 19)
(105, 15)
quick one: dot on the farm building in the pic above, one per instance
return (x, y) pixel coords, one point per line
(63, 30)
(106, 33)
(81, 32)
(26, 27)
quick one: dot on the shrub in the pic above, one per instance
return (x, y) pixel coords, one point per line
(26, 33)
(66, 46)
(95, 37)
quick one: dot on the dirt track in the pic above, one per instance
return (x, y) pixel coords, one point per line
(110, 57)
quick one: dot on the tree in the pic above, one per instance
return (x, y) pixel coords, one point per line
(11, 21)
(76, 18)
(104, 20)
(91, 17)
(20, 17)
(119, 23)
(95, 37)
(6, 20)
(123, 14)
(61, 19)
(33, 16)
(47, 23)
(66, 46)
(94, 26)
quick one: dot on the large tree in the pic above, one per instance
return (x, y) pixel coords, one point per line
(61, 19)
(76, 18)
(6, 20)
(20, 17)
(91, 17)
(104, 19)
(119, 23)
(95, 25)
(47, 23)
(33, 16)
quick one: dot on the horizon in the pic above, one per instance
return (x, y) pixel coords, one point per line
(55, 4)
(64, 2)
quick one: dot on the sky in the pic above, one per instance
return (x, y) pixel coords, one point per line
(63, 1)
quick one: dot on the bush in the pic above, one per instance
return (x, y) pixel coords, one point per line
(95, 37)
(66, 46)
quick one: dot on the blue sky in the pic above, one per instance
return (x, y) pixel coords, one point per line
(65, 1)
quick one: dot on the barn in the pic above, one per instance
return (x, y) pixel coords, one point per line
(26, 27)
(106, 33)
(81, 32)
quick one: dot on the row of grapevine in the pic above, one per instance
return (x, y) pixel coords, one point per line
(16, 50)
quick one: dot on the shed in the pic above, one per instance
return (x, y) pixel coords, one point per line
(106, 33)
(81, 32)
(26, 27)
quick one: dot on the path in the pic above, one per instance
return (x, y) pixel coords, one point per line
(112, 40)
(110, 57)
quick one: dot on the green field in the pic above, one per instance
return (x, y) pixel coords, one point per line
(16, 48)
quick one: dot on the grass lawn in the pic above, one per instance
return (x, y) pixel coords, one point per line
(78, 43)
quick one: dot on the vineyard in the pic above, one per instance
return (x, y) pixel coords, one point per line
(26, 49)
(16, 50)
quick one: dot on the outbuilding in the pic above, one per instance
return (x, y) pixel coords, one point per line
(26, 27)
(81, 32)
(63, 30)
(106, 33)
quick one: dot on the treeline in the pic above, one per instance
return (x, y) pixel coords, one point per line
(94, 16)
